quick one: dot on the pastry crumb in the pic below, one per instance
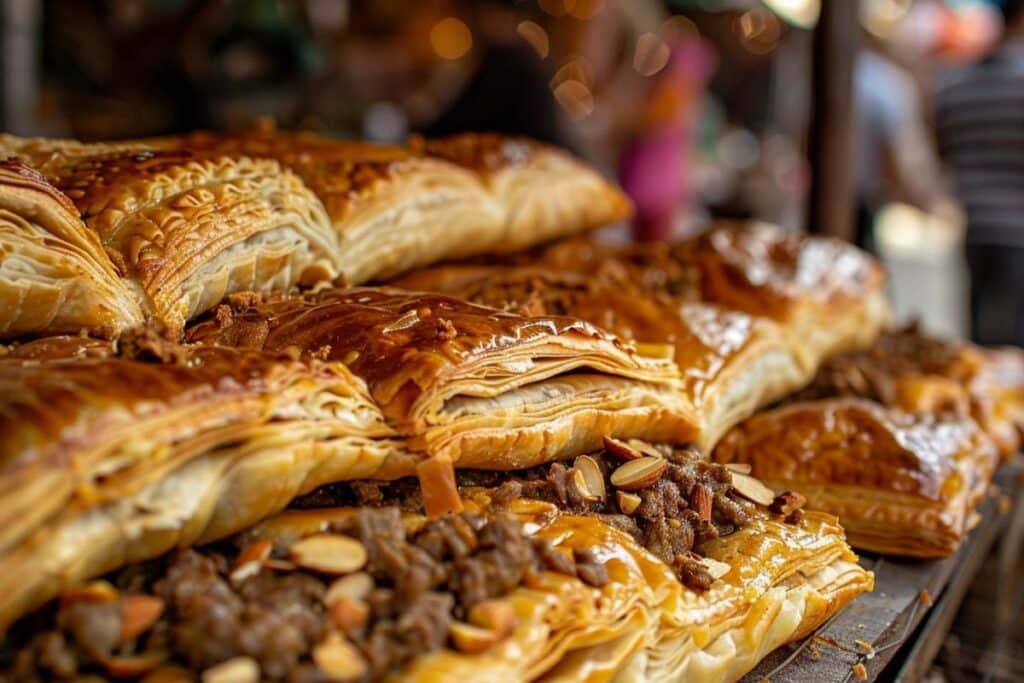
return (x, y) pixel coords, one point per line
(815, 652)
(868, 648)
(860, 672)
(926, 598)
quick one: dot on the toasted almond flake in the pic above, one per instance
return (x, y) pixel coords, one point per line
(97, 591)
(279, 565)
(925, 597)
(588, 479)
(621, 449)
(138, 614)
(133, 666)
(496, 616)
(250, 561)
(715, 568)
(471, 639)
(354, 586)
(741, 467)
(347, 613)
(700, 501)
(675, 523)
(350, 357)
(437, 484)
(628, 502)
(752, 489)
(645, 448)
(407, 320)
(329, 553)
(860, 672)
(639, 474)
(339, 660)
(237, 670)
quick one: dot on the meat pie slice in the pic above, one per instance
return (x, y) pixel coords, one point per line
(110, 458)
(488, 388)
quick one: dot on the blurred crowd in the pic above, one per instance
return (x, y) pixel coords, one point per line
(699, 107)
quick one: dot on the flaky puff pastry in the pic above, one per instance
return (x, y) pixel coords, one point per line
(396, 208)
(912, 371)
(643, 625)
(827, 295)
(493, 389)
(55, 275)
(107, 460)
(391, 208)
(901, 484)
(731, 363)
(184, 230)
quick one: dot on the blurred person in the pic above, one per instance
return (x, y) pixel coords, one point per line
(647, 73)
(980, 128)
(896, 160)
(446, 67)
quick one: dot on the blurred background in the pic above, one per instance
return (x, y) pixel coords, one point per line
(898, 124)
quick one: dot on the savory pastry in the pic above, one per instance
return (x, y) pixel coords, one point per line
(112, 456)
(912, 371)
(515, 588)
(488, 388)
(54, 273)
(545, 192)
(731, 362)
(900, 483)
(182, 229)
(396, 208)
(827, 295)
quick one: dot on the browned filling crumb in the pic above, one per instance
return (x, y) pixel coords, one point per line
(414, 594)
(870, 373)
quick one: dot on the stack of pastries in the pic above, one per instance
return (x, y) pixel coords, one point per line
(245, 439)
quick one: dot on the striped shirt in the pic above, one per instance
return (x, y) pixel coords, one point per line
(980, 129)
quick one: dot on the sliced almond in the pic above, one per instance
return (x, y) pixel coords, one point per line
(339, 659)
(752, 489)
(97, 591)
(279, 565)
(628, 502)
(621, 449)
(236, 670)
(347, 613)
(639, 474)
(470, 639)
(700, 501)
(645, 448)
(133, 666)
(329, 553)
(715, 568)
(437, 484)
(250, 561)
(741, 467)
(138, 614)
(354, 587)
(588, 479)
(496, 616)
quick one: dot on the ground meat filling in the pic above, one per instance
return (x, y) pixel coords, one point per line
(870, 373)
(201, 614)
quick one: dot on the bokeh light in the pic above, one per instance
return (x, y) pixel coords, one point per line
(651, 54)
(451, 38)
(575, 98)
(536, 36)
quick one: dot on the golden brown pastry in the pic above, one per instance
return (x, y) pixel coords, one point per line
(545, 193)
(182, 229)
(900, 483)
(395, 208)
(54, 273)
(731, 362)
(489, 388)
(512, 589)
(910, 370)
(113, 457)
(827, 295)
